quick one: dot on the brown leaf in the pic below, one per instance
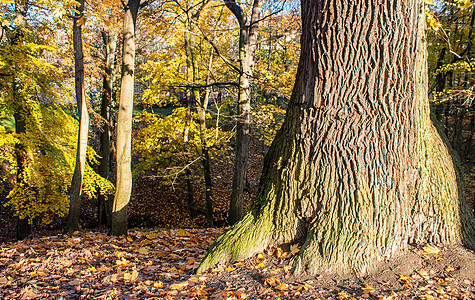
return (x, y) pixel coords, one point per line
(272, 281)
(368, 289)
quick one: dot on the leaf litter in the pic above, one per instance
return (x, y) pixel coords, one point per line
(161, 264)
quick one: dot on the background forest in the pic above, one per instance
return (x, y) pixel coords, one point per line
(193, 72)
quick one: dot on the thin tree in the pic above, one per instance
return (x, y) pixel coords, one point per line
(110, 38)
(79, 168)
(358, 171)
(124, 123)
(23, 227)
(248, 27)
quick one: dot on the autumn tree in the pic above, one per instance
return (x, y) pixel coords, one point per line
(83, 132)
(124, 122)
(248, 26)
(358, 171)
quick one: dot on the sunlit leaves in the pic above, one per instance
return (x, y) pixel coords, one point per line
(433, 23)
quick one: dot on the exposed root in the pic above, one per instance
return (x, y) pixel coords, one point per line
(249, 236)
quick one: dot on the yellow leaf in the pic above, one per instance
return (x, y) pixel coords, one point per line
(405, 278)
(431, 250)
(261, 265)
(6, 1)
(464, 4)
(260, 258)
(282, 287)
(81, 21)
(158, 285)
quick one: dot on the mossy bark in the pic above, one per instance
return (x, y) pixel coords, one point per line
(358, 171)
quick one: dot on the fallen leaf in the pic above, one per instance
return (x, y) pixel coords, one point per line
(343, 295)
(179, 286)
(282, 287)
(272, 281)
(294, 249)
(423, 273)
(158, 285)
(430, 250)
(405, 278)
(368, 289)
(260, 258)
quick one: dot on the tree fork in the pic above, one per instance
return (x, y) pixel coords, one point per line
(357, 171)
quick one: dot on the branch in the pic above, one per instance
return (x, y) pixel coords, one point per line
(237, 11)
(268, 16)
(199, 86)
(227, 61)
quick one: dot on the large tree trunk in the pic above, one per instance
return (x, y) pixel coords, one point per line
(247, 48)
(110, 38)
(124, 123)
(358, 171)
(78, 175)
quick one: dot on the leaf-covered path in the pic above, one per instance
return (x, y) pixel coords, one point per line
(160, 264)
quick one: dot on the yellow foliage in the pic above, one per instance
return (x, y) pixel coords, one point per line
(433, 23)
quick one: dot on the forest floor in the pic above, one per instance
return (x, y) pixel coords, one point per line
(161, 264)
(157, 261)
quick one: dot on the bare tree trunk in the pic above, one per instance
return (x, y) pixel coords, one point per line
(110, 40)
(357, 171)
(124, 123)
(23, 227)
(186, 133)
(76, 183)
(247, 48)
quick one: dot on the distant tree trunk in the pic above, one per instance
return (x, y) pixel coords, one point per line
(76, 183)
(247, 47)
(202, 106)
(358, 171)
(124, 123)
(23, 227)
(186, 133)
(110, 41)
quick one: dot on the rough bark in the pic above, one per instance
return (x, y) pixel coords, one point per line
(358, 171)
(78, 175)
(247, 47)
(124, 123)
(110, 41)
